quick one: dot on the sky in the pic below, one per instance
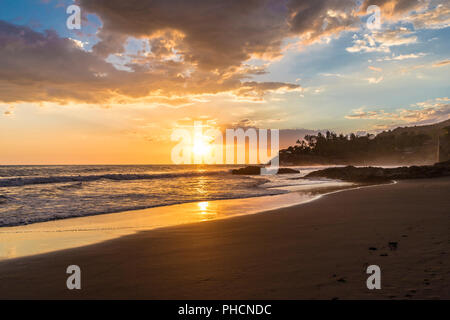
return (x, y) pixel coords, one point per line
(113, 91)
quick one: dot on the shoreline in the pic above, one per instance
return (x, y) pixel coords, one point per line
(68, 233)
(315, 250)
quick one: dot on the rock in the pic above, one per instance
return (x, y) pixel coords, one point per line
(249, 170)
(377, 174)
(287, 171)
(256, 170)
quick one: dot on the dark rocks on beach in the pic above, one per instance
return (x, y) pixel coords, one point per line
(287, 171)
(377, 174)
(250, 170)
(256, 170)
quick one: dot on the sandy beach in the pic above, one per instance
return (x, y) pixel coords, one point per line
(316, 250)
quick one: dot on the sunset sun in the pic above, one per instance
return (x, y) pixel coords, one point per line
(201, 147)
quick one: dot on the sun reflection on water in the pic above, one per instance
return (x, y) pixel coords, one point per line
(203, 206)
(205, 210)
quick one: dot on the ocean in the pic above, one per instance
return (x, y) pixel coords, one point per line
(30, 194)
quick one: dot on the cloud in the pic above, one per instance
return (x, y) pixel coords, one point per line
(373, 114)
(391, 9)
(258, 89)
(314, 20)
(337, 75)
(430, 111)
(9, 111)
(433, 18)
(186, 50)
(217, 35)
(38, 67)
(397, 37)
(404, 56)
(427, 14)
(435, 64)
(314, 89)
(78, 43)
(381, 41)
(212, 34)
(41, 66)
(374, 80)
(441, 63)
(375, 69)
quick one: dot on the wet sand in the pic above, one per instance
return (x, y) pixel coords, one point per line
(50, 236)
(316, 250)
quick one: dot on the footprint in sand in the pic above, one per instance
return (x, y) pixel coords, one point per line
(393, 245)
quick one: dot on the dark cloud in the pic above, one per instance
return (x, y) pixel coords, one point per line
(216, 34)
(196, 47)
(314, 19)
(44, 67)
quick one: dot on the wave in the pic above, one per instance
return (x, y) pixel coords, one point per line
(22, 181)
(20, 221)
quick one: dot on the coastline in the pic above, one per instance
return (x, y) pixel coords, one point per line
(60, 234)
(315, 250)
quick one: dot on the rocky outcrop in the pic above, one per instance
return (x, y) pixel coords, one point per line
(377, 174)
(256, 170)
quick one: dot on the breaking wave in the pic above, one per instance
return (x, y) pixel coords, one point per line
(22, 181)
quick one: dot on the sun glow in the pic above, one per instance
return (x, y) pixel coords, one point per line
(207, 210)
(201, 147)
(203, 206)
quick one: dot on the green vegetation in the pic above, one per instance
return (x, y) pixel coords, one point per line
(413, 145)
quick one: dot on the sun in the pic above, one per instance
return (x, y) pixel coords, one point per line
(200, 147)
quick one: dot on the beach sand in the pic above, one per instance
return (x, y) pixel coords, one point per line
(316, 250)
